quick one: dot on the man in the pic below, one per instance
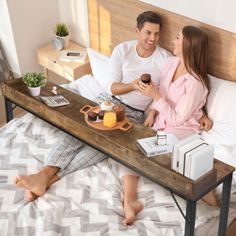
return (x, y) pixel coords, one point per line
(129, 61)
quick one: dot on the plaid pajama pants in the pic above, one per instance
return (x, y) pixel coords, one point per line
(71, 154)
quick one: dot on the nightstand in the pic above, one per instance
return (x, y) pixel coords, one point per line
(49, 59)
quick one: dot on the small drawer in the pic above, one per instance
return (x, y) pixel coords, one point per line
(56, 67)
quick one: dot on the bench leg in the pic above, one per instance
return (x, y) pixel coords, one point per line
(8, 108)
(190, 218)
(224, 209)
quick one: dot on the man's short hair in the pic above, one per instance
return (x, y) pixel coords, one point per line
(148, 16)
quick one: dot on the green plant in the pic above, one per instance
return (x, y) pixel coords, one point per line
(34, 79)
(61, 30)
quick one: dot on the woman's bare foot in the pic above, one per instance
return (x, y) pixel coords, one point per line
(36, 183)
(131, 210)
(30, 196)
(210, 199)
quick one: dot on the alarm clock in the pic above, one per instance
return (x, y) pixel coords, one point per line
(58, 43)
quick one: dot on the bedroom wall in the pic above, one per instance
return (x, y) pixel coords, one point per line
(219, 13)
(31, 23)
(7, 37)
(74, 12)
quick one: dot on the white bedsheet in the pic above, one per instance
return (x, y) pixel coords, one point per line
(87, 202)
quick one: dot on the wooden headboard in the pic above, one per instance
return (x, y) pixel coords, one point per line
(114, 21)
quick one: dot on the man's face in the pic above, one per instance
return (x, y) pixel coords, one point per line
(148, 36)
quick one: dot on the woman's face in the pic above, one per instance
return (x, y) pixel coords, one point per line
(177, 43)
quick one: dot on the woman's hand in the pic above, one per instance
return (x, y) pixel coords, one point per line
(149, 90)
(205, 122)
(150, 119)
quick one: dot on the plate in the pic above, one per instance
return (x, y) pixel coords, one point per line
(98, 124)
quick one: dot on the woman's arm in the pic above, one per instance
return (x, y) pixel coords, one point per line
(150, 118)
(191, 101)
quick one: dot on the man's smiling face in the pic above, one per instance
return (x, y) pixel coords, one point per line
(148, 36)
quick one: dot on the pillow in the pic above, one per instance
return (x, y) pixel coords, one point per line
(86, 86)
(221, 109)
(99, 65)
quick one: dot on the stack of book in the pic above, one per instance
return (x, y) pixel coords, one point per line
(150, 147)
(192, 157)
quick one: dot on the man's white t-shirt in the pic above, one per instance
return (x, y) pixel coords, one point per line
(126, 65)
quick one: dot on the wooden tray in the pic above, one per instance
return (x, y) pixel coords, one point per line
(122, 125)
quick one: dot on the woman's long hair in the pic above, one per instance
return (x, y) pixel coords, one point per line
(195, 52)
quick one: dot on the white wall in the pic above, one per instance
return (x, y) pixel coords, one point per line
(6, 37)
(220, 13)
(32, 23)
(75, 14)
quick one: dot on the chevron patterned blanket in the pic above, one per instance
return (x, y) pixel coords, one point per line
(86, 202)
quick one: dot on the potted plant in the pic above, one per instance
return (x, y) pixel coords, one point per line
(34, 82)
(61, 30)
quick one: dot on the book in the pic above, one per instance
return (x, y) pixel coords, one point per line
(199, 161)
(73, 55)
(175, 154)
(192, 157)
(150, 148)
(182, 150)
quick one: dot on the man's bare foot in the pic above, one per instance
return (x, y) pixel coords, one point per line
(210, 199)
(131, 210)
(30, 196)
(36, 183)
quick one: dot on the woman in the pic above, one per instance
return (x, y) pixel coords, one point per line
(177, 104)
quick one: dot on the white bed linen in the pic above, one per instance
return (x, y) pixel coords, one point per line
(87, 86)
(87, 202)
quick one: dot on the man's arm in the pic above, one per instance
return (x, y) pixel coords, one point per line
(116, 85)
(121, 88)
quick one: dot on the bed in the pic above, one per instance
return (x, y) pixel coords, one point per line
(89, 202)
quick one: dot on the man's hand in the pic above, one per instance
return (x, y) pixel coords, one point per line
(205, 122)
(135, 84)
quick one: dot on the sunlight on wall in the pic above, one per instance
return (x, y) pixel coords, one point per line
(74, 13)
(105, 27)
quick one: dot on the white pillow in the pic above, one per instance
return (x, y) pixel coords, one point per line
(100, 67)
(221, 109)
(86, 86)
(221, 106)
